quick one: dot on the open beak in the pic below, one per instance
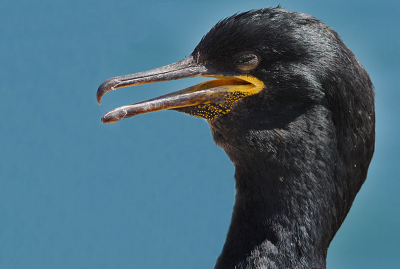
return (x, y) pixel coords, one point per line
(214, 95)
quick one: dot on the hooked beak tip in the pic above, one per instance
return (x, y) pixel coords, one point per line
(105, 87)
(100, 93)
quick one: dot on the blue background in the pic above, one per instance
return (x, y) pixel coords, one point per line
(154, 191)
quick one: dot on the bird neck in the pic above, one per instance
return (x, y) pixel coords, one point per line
(285, 211)
(274, 227)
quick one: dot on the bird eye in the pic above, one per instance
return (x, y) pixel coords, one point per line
(247, 61)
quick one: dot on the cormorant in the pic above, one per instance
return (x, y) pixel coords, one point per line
(294, 110)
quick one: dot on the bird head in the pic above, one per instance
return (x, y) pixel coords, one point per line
(246, 54)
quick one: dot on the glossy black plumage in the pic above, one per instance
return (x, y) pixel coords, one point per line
(301, 147)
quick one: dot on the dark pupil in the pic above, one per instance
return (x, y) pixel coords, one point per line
(245, 60)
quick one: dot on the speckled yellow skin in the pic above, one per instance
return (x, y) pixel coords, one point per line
(235, 88)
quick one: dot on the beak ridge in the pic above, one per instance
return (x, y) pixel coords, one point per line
(183, 69)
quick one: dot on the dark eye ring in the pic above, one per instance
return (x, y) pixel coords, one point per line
(247, 61)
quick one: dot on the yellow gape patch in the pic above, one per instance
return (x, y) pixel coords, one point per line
(224, 93)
